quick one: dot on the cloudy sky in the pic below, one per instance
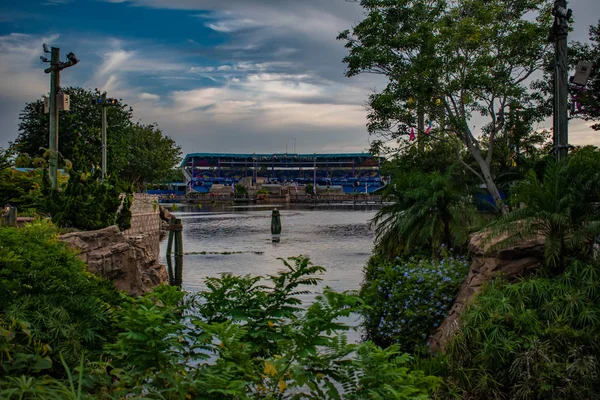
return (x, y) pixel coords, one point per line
(216, 75)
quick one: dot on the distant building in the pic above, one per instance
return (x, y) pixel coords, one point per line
(354, 172)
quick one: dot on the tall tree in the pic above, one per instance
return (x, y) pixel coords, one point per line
(452, 60)
(79, 131)
(136, 153)
(151, 155)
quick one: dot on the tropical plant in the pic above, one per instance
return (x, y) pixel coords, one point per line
(408, 299)
(559, 207)
(535, 339)
(49, 300)
(426, 211)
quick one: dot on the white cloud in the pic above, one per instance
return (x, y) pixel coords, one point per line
(148, 96)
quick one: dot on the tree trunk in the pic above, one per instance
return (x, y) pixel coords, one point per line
(489, 181)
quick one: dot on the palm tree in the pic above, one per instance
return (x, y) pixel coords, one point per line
(427, 211)
(559, 207)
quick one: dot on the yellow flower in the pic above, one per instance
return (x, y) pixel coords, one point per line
(269, 369)
(282, 386)
(270, 324)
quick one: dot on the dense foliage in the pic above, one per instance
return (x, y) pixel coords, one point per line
(21, 189)
(561, 207)
(49, 303)
(450, 62)
(536, 339)
(425, 211)
(88, 203)
(136, 153)
(409, 298)
(242, 338)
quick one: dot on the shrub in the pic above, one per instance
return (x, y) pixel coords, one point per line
(425, 211)
(408, 299)
(87, 203)
(535, 339)
(242, 338)
(46, 290)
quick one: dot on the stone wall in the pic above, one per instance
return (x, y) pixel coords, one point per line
(129, 258)
(145, 221)
(129, 262)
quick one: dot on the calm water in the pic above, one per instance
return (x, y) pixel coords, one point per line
(335, 237)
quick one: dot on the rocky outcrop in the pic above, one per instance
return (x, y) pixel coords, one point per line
(130, 262)
(510, 262)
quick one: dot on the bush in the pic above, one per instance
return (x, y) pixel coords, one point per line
(536, 339)
(408, 299)
(243, 338)
(88, 203)
(46, 291)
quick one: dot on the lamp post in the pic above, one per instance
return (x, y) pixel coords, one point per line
(558, 35)
(55, 67)
(104, 102)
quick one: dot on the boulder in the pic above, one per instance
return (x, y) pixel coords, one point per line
(510, 262)
(130, 262)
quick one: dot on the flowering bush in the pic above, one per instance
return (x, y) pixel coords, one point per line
(409, 298)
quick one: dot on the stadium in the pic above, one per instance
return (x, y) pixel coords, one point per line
(353, 172)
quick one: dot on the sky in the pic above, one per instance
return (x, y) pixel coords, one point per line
(215, 75)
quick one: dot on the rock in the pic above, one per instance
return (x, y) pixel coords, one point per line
(510, 262)
(130, 262)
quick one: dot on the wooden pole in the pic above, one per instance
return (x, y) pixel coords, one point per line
(178, 253)
(169, 261)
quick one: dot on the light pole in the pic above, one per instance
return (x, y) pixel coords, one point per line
(55, 67)
(104, 102)
(558, 35)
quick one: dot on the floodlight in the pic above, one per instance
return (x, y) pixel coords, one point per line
(44, 59)
(46, 49)
(71, 57)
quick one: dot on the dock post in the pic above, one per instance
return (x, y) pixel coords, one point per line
(169, 249)
(175, 238)
(275, 225)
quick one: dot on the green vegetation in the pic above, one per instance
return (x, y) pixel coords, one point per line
(537, 338)
(137, 154)
(427, 211)
(88, 203)
(450, 61)
(49, 305)
(409, 298)
(67, 334)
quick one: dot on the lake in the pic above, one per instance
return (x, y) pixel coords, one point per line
(337, 238)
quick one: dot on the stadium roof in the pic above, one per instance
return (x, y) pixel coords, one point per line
(278, 155)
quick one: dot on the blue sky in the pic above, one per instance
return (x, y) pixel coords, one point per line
(216, 75)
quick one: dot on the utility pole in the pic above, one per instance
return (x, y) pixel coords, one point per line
(55, 67)
(104, 102)
(103, 136)
(558, 35)
(53, 139)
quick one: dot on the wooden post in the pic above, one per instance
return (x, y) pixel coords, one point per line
(169, 261)
(178, 253)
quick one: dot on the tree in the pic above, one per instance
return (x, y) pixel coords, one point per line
(151, 156)
(425, 211)
(80, 138)
(451, 61)
(561, 207)
(137, 153)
